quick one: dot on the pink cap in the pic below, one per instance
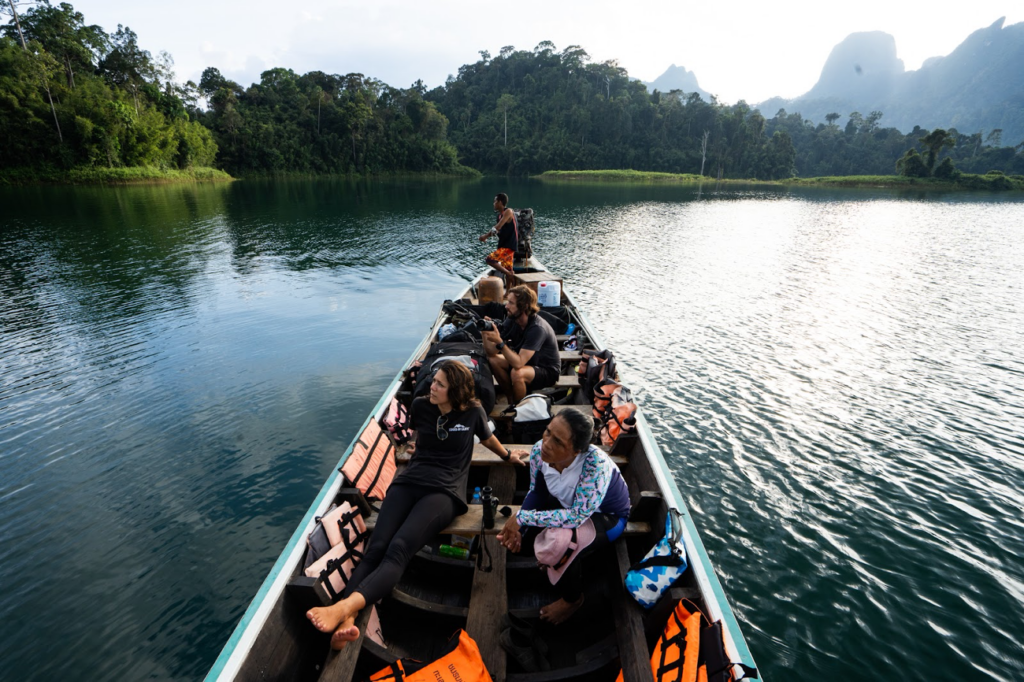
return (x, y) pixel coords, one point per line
(556, 548)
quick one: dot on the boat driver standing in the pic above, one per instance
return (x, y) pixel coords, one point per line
(507, 232)
(523, 350)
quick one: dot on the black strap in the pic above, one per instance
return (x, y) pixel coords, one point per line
(366, 462)
(380, 468)
(678, 664)
(335, 565)
(396, 672)
(483, 549)
(670, 560)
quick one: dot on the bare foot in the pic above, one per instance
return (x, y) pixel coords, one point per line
(558, 612)
(328, 618)
(346, 632)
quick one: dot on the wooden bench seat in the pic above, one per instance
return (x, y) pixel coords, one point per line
(484, 457)
(500, 406)
(564, 381)
(470, 523)
(570, 355)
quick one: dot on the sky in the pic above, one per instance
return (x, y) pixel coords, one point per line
(738, 49)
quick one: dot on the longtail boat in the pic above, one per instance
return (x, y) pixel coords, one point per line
(440, 594)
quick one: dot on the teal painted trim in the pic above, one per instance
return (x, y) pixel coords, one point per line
(282, 561)
(658, 459)
(742, 650)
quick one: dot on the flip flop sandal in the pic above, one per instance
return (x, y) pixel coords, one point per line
(521, 648)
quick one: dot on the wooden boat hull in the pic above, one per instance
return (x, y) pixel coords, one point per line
(438, 596)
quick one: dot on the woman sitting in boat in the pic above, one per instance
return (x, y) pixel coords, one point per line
(422, 500)
(573, 485)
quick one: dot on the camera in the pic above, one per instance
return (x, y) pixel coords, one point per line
(490, 505)
(487, 325)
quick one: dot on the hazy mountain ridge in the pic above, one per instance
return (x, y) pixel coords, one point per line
(678, 78)
(979, 86)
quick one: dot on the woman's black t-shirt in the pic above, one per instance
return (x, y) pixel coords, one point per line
(444, 464)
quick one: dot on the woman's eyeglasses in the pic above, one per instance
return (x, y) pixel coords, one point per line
(441, 422)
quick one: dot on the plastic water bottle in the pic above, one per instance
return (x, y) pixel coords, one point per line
(570, 329)
(476, 496)
(454, 552)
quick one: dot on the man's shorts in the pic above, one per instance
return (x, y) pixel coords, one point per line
(502, 257)
(542, 378)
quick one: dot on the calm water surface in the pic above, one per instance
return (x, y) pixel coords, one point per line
(836, 379)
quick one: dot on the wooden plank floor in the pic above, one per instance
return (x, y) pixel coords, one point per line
(489, 600)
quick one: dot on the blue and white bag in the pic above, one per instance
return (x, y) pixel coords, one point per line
(649, 578)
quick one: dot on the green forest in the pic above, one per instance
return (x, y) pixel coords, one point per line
(74, 97)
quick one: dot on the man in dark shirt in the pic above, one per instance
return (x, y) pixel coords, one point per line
(523, 351)
(507, 231)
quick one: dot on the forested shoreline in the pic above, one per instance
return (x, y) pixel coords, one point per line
(75, 98)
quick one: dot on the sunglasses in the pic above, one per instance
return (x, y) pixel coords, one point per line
(441, 422)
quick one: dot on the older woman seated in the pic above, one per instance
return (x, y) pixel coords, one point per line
(573, 485)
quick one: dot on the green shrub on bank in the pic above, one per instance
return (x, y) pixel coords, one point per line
(109, 176)
(623, 176)
(992, 181)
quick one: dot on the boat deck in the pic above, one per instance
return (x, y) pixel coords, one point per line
(438, 594)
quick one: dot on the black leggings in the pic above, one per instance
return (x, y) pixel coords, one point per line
(409, 517)
(570, 586)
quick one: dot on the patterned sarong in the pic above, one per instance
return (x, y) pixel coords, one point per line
(502, 257)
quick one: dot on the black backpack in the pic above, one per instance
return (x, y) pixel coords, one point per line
(597, 366)
(524, 222)
(446, 350)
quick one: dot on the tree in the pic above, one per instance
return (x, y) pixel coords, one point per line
(127, 65)
(13, 6)
(935, 142)
(946, 170)
(871, 122)
(704, 150)
(854, 124)
(506, 102)
(62, 32)
(832, 118)
(912, 165)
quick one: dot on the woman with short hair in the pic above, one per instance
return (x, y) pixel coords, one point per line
(422, 500)
(573, 485)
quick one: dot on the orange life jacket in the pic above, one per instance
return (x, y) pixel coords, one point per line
(613, 405)
(371, 465)
(680, 655)
(461, 664)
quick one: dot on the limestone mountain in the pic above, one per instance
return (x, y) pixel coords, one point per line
(678, 78)
(979, 86)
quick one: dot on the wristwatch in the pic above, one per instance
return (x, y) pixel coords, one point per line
(508, 455)
(500, 346)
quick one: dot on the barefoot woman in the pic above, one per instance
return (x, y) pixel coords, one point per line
(571, 481)
(421, 501)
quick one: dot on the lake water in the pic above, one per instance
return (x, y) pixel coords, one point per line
(836, 379)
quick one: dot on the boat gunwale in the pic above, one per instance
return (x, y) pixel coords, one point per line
(707, 579)
(236, 649)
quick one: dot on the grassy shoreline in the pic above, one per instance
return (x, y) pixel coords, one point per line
(461, 173)
(138, 175)
(144, 175)
(966, 181)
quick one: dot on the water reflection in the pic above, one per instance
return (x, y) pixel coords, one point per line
(834, 376)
